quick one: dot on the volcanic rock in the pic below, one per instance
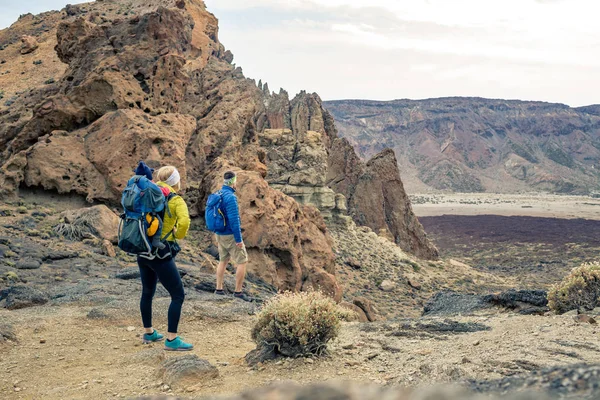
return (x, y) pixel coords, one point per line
(28, 263)
(367, 306)
(368, 186)
(28, 44)
(185, 370)
(287, 243)
(387, 285)
(453, 303)
(159, 86)
(18, 297)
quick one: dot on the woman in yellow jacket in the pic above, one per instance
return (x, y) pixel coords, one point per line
(175, 226)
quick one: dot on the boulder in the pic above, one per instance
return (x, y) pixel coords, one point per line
(186, 370)
(108, 249)
(387, 285)
(28, 263)
(7, 332)
(99, 220)
(29, 44)
(584, 319)
(446, 303)
(18, 297)
(413, 283)
(368, 308)
(353, 263)
(360, 314)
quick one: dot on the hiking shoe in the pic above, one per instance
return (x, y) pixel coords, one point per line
(177, 345)
(242, 296)
(220, 292)
(154, 337)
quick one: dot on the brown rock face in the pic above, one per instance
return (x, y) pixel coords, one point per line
(159, 86)
(102, 222)
(29, 44)
(370, 186)
(288, 244)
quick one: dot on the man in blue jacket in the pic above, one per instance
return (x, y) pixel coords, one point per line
(231, 244)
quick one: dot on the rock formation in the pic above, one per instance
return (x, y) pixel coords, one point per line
(475, 145)
(374, 186)
(28, 44)
(155, 83)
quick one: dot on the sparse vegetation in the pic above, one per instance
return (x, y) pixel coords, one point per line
(81, 228)
(298, 324)
(578, 291)
(70, 231)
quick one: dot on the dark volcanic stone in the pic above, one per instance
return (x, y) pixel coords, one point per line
(514, 298)
(60, 255)
(28, 263)
(96, 314)
(448, 326)
(18, 297)
(453, 303)
(187, 369)
(128, 273)
(261, 354)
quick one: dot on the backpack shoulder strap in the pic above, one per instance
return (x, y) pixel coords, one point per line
(167, 200)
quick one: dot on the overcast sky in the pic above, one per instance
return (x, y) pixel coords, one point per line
(385, 49)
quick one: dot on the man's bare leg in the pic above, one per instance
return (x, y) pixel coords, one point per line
(240, 275)
(221, 273)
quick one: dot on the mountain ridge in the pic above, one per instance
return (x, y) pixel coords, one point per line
(475, 144)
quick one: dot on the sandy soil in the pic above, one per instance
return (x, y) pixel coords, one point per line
(534, 205)
(83, 358)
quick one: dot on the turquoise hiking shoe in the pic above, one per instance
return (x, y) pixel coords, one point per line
(177, 345)
(154, 337)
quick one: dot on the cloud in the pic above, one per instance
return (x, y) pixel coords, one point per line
(11, 9)
(419, 48)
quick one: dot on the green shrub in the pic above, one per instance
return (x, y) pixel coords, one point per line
(298, 324)
(578, 291)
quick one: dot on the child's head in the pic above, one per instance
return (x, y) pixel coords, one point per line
(169, 175)
(144, 170)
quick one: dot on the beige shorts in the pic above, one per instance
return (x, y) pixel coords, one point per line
(228, 249)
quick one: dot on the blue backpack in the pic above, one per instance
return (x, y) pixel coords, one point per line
(214, 217)
(140, 197)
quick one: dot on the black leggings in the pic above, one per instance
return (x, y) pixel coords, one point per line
(165, 271)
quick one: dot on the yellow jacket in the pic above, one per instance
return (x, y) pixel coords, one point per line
(180, 216)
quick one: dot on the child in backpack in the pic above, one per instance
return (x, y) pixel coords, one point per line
(155, 224)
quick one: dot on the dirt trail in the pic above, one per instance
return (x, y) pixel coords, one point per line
(87, 358)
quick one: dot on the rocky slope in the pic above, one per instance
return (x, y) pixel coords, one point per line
(475, 145)
(150, 80)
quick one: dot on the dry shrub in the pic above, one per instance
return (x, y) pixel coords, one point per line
(578, 291)
(69, 231)
(298, 324)
(82, 227)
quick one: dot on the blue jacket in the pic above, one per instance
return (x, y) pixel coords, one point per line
(230, 208)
